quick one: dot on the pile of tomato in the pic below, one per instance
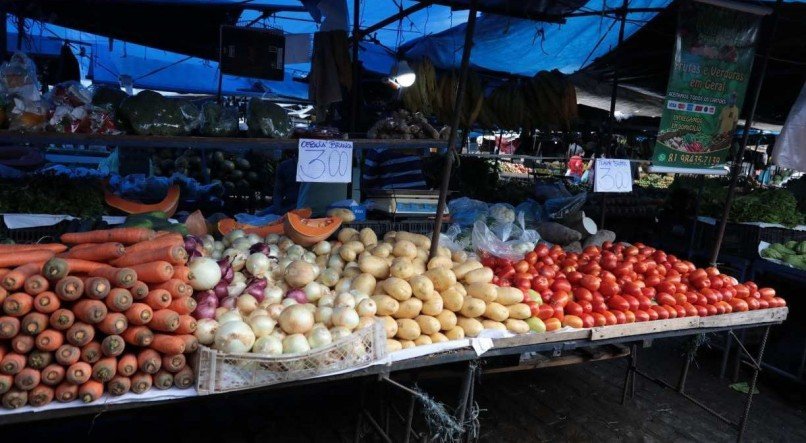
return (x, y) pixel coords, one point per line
(618, 284)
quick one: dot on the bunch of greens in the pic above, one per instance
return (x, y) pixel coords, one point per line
(767, 205)
(50, 194)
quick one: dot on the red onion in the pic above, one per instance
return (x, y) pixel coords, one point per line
(259, 247)
(190, 243)
(298, 295)
(228, 302)
(206, 298)
(204, 311)
(220, 289)
(195, 253)
(227, 273)
(255, 288)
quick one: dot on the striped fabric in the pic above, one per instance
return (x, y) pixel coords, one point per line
(391, 169)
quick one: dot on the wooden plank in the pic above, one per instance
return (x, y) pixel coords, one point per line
(745, 318)
(649, 327)
(546, 337)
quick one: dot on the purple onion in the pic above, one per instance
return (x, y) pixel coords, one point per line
(206, 297)
(191, 243)
(228, 302)
(204, 311)
(195, 253)
(255, 288)
(298, 295)
(220, 289)
(259, 247)
(226, 270)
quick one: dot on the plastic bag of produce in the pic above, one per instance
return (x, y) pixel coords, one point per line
(71, 93)
(218, 121)
(465, 211)
(533, 212)
(149, 113)
(558, 208)
(457, 238)
(26, 115)
(502, 213)
(549, 190)
(108, 98)
(267, 119)
(506, 240)
(18, 78)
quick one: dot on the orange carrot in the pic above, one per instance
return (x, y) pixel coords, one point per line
(127, 365)
(14, 259)
(187, 325)
(168, 344)
(36, 284)
(66, 392)
(49, 340)
(39, 359)
(149, 361)
(12, 363)
(34, 322)
(80, 334)
(91, 352)
(98, 252)
(78, 266)
(27, 379)
(6, 382)
(183, 305)
(113, 323)
(18, 304)
(127, 236)
(15, 398)
(139, 314)
(69, 288)
(182, 273)
(163, 379)
(9, 327)
(78, 373)
(3, 351)
(119, 300)
(191, 343)
(22, 344)
(172, 254)
(55, 269)
(16, 278)
(138, 336)
(52, 247)
(90, 391)
(119, 277)
(52, 375)
(61, 319)
(3, 295)
(174, 363)
(141, 382)
(66, 355)
(96, 288)
(119, 385)
(184, 378)
(104, 369)
(154, 272)
(139, 290)
(160, 241)
(113, 345)
(90, 311)
(164, 320)
(177, 288)
(40, 396)
(46, 302)
(158, 299)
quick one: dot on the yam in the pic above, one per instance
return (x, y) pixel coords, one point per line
(428, 325)
(401, 268)
(486, 292)
(393, 345)
(443, 278)
(447, 320)
(375, 266)
(603, 235)
(409, 308)
(481, 275)
(507, 295)
(519, 311)
(407, 329)
(496, 311)
(422, 287)
(495, 325)
(557, 233)
(452, 300)
(457, 333)
(517, 326)
(386, 304)
(471, 326)
(473, 307)
(585, 226)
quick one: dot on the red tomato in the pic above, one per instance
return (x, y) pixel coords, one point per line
(701, 283)
(716, 281)
(720, 309)
(573, 308)
(681, 311)
(523, 283)
(598, 297)
(660, 312)
(607, 276)
(574, 277)
(582, 294)
(767, 291)
(738, 305)
(780, 301)
(667, 287)
(598, 306)
(643, 302)
(544, 312)
(711, 295)
(649, 293)
(547, 295)
(609, 288)
(547, 272)
(521, 266)
(691, 310)
(641, 315)
(692, 297)
(631, 288)
(632, 301)
(763, 303)
(586, 305)
(561, 285)
(726, 306)
(590, 282)
(671, 310)
(547, 260)
(621, 318)
(572, 321)
(712, 310)
(525, 275)
(680, 298)
(711, 271)
(702, 311)
(599, 319)
(753, 304)
(587, 320)
(751, 285)
(506, 272)
(665, 299)
(552, 324)
(559, 313)
(534, 308)
(618, 303)
(728, 292)
(701, 300)
(629, 316)
(560, 298)
(610, 318)
(531, 257)
(697, 274)
(540, 283)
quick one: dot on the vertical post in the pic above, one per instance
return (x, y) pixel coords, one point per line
(3, 35)
(457, 109)
(220, 60)
(737, 156)
(356, 66)
(754, 379)
(696, 214)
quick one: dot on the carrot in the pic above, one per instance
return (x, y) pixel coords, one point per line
(90, 311)
(139, 314)
(183, 305)
(14, 259)
(119, 385)
(127, 365)
(104, 369)
(55, 269)
(3, 351)
(90, 391)
(172, 239)
(177, 288)
(12, 363)
(119, 277)
(53, 374)
(113, 345)
(78, 373)
(66, 392)
(173, 363)
(66, 355)
(62, 319)
(149, 361)
(3, 295)
(34, 322)
(52, 247)
(18, 304)
(168, 344)
(127, 236)
(9, 327)
(139, 290)
(187, 325)
(69, 288)
(35, 284)
(172, 254)
(27, 379)
(49, 340)
(80, 334)
(78, 266)
(184, 378)
(163, 379)
(96, 288)
(91, 352)
(158, 299)
(154, 272)
(119, 300)
(97, 252)
(40, 396)
(141, 382)
(22, 344)
(113, 323)
(138, 336)
(14, 399)
(46, 302)
(182, 273)
(6, 382)
(164, 320)
(16, 278)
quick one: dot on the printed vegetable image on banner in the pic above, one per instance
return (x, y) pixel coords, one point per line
(713, 57)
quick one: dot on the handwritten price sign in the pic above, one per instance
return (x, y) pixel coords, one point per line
(325, 161)
(612, 175)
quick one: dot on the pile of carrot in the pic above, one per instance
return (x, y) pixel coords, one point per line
(103, 311)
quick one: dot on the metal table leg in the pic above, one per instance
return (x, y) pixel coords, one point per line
(753, 381)
(725, 355)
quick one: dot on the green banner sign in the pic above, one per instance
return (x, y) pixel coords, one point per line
(713, 57)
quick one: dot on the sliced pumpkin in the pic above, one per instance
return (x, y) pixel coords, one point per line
(168, 205)
(309, 231)
(227, 225)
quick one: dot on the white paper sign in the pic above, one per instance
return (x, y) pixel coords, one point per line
(325, 161)
(612, 175)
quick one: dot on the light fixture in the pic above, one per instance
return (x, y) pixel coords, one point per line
(402, 74)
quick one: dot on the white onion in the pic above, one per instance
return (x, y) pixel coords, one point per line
(338, 332)
(314, 291)
(238, 277)
(366, 307)
(343, 285)
(278, 334)
(234, 337)
(253, 238)
(299, 273)
(219, 311)
(237, 258)
(282, 285)
(319, 337)
(235, 289)
(284, 243)
(363, 322)
(335, 262)
(289, 302)
(273, 295)
(295, 344)
(310, 306)
(216, 255)
(262, 325)
(327, 300)
(229, 316)
(246, 303)
(322, 248)
(204, 273)
(233, 235)
(268, 345)
(257, 264)
(272, 239)
(345, 317)
(241, 244)
(344, 300)
(275, 310)
(218, 246)
(295, 250)
(329, 277)
(358, 295)
(309, 257)
(297, 319)
(351, 271)
(323, 315)
(205, 330)
(274, 251)
(316, 271)
(259, 311)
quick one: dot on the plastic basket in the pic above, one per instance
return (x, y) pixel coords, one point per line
(221, 372)
(781, 235)
(39, 234)
(425, 227)
(380, 227)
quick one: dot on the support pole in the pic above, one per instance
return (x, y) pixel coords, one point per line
(753, 381)
(457, 109)
(356, 66)
(737, 156)
(697, 202)
(3, 34)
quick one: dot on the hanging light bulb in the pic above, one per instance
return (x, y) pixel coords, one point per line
(403, 75)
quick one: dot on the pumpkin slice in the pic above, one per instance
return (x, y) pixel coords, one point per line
(227, 225)
(310, 231)
(168, 205)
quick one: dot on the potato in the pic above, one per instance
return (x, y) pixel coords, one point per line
(389, 325)
(447, 320)
(460, 288)
(347, 234)
(393, 345)
(471, 326)
(459, 256)
(428, 325)
(457, 333)
(404, 248)
(347, 254)
(407, 344)
(442, 278)
(375, 266)
(422, 287)
(401, 268)
(419, 266)
(408, 329)
(440, 262)
(490, 324)
(432, 306)
(351, 271)
(508, 295)
(356, 245)
(496, 311)
(386, 305)
(519, 311)
(398, 288)
(380, 251)
(442, 251)
(363, 254)
(473, 307)
(438, 337)
(364, 283)
(482, 291)
(481, 275)
(409, 309)
(418, 239)
(423, 340)
(365, 321)
(390, 236)
(346, 215)
(517, 326)
(379, 290)
(452, 300)
(388, 261)
(422, 254)
(462, 269)
(368, 237)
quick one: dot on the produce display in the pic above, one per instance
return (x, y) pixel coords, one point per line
(403, 125)
(792, 253)
(236, 171)
(51, 194)
(513, 168)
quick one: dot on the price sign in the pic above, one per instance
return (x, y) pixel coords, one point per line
(325, 161)
(612, 175)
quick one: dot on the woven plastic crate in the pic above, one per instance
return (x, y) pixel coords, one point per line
(221, 372)
(425, 227)
(781, 235)
(380, 227)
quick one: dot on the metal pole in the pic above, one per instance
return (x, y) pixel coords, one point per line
(457, 109)
(753, 380)
(356, 66)
(696, 214)
(737, 157)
